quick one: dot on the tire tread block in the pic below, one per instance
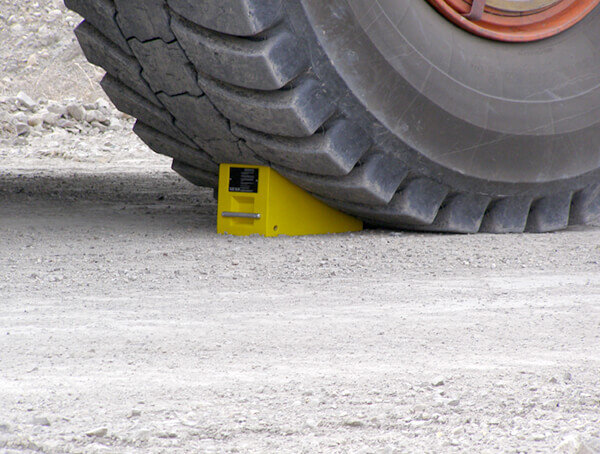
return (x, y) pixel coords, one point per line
(508, 215)
(102, 52)
(585, 208)
(374, 182)
(195, 175)
(461, 213)
(234, 17)
(417, 204)
(145, 20)
(267, 64)
(165, 67)
(334, 152)
(168, 146)
(128, 101)
(298, 112)
(101, 14)
(550, 213)
(200, 121)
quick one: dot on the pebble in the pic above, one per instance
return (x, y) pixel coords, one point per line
(76, 111)
(102, 103)
(92, 116)
(51, 119)
(134, 413)
(454, 403)
(100, 126)
(100, 432)
(386, 450)
(567, 376)
(41, 421)
(35, 120)
(22, 128)
(439, 381)
(143, 435)
(57, 109)
(166, 435)
(420, 408)
(353, 423)
(311, 423)
(54, 15)
(574, 444)
(25, 101)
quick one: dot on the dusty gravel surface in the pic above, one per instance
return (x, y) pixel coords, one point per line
(39, 53)
(128, 326)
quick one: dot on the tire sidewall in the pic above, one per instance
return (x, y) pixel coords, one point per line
(449, 148)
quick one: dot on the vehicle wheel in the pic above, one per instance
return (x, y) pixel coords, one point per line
(384, 109)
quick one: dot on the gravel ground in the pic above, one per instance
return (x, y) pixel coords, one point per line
(128, 325)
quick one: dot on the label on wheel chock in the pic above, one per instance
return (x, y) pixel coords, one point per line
(242, 179)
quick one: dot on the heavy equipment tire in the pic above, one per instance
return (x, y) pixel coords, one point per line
(382, 109)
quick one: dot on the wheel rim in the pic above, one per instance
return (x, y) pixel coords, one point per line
(515, 20)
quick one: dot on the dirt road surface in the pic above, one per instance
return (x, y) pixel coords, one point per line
(128, 326)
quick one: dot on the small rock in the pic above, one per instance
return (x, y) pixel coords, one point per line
(553, 380)
(76, 111)
(538, 437)
(567, 376)
(419, 408)
(35, 120)
(574, 444)
(439, 381)
(353, 423)
(57, 109)
(365, 451)
(166, 435)
(51, 119)
(22, 129)
(4, 427)
(32, 60)
(100, 126)
(311, 423)
(386, 450)
(100, 432)
(54, 15)
(134, 413)
(143, 435)
(17, 29)
(96, 116)
(102, 103)
(25, 101)
(66, 124)
(41, 421)
(454, 403)
(21, 117)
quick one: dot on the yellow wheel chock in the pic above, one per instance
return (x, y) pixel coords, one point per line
(257, 200)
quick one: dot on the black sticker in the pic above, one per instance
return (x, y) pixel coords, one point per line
(242, 179)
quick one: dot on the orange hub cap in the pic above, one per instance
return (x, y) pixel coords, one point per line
(515, 20)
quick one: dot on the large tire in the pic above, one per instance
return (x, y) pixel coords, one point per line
(352, 101)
